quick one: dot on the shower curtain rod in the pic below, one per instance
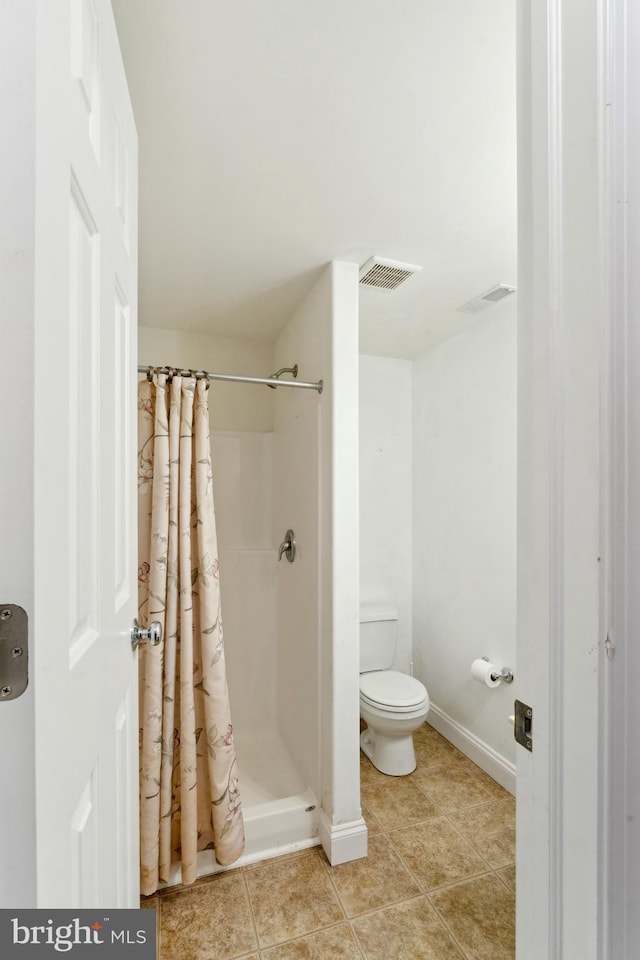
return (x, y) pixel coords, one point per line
(272, 381)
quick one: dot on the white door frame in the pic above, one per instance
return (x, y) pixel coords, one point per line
(560, 582)
(578, 522)
(620, 882)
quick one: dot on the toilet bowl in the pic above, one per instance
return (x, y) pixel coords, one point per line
(393, 705)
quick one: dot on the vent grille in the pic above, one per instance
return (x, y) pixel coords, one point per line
(487, 299)
(386, 274)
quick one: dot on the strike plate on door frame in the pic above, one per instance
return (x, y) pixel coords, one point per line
(523, 724)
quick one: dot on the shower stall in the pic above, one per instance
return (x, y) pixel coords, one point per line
(287, 459)
(270, 616)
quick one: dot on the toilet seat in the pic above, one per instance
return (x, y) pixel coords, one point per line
(392, 691)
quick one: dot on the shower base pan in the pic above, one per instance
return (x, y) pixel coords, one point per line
(271, 829)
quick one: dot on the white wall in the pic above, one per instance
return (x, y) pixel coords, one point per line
(386, 522)
(464, 497)
(17, 186)
(232, 407)
(323, 338)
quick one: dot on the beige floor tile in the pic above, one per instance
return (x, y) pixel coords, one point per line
(368, 773)
(151, 903)
(396, 802)
(406, 931)
(432, 751)
(427, 732)
(481, 915)
(436, 853)
(167, 890)
(291, 898)
(508, 876)
(373, 826)
(430, 745)
(450, 760)
(432, 748)
(491, 829)
(450, 786)
(375, 881)
(211, 921)
(433, 838)
(494, 788)
(335, 943)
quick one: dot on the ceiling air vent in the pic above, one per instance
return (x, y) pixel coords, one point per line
(487, 299)
(385, 274)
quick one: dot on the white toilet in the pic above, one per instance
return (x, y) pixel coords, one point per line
(392, 704)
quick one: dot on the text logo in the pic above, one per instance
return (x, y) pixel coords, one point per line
(82, 933)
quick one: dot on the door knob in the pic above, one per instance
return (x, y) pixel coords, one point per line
(151, 634)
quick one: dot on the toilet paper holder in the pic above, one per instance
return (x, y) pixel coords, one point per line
(506, 673)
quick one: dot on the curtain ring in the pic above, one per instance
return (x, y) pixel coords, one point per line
(150, 372)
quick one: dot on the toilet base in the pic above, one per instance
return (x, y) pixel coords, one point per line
(394, 756)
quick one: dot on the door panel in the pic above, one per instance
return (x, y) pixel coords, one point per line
(85, 509)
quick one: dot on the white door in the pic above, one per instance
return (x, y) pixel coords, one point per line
(85, 466)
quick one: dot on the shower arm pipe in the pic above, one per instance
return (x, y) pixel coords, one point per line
(278, 374)
(204, 374)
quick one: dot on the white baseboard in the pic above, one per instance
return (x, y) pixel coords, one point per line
(475, 749)
(343, 842)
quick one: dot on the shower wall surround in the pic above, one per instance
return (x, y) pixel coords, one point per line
(296, 492)
(233, 407)
(242, 487)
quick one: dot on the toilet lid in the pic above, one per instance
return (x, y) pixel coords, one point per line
(392, 689)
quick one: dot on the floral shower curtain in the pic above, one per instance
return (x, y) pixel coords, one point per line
(189, 797)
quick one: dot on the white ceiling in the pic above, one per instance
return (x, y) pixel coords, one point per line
(277, 135)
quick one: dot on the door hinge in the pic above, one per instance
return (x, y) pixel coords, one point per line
(522, 725)
(14, 661)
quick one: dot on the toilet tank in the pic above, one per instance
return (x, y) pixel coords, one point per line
(378, 635)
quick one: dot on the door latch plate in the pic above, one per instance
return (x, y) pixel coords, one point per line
(14, 660)
(522, 725)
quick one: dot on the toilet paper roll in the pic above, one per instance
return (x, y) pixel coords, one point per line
(482, 670)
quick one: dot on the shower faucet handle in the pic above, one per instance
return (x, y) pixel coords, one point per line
(288, 547)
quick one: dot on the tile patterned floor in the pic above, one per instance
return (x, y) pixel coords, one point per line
(438, 884)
